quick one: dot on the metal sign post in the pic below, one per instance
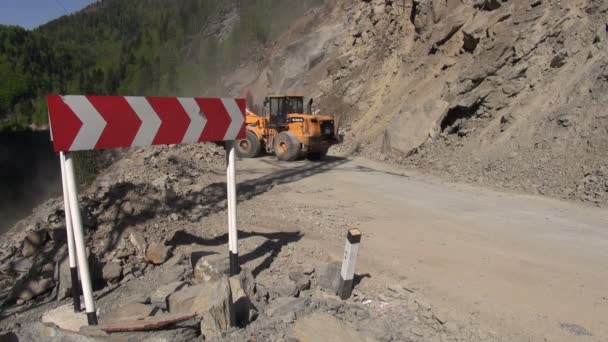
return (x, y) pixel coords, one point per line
(81, 253)
(70, 236)
(347, 275)
(231, 190)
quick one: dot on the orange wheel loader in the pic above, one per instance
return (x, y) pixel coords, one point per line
(284, 130)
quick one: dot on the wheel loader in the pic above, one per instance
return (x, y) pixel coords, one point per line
(286, 131)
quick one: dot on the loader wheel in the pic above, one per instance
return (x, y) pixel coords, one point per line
(286, 147)
(317, 156)
(250, 147)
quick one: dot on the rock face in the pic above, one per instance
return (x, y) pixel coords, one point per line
(157, 253)
(210, 268)
(211, 301)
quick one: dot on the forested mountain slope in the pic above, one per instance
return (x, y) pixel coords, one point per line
(134, 47)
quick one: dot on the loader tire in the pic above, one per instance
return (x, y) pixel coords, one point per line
(250, 147)
(286, 147)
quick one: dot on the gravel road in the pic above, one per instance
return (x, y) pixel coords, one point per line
(527, 267)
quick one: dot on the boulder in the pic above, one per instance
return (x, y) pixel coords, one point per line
(174, 261)
(111, 272)
(243, 307)
(65, 318)
(301, 281)
(287, 288)
(283, 306)
(130, 311)
(58, 234)
(63, 278)
(19, 265)
(138, 241)
(33, 243)
(30, 288)
(324, 327)
(328, 276)
(39, 331)
(410, 128)
(172, 274)
(159, 297)
(211, 301)
(247, 282)
(157, 253)
(211, 268)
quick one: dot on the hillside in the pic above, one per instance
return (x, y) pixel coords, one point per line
(508, 94)
(500, 93)
(133, 47)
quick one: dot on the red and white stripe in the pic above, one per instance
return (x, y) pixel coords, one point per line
(104, 122)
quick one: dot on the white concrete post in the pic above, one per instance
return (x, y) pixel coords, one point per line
(353, 239)
(70, 236)
(81, 253)
(231, 192)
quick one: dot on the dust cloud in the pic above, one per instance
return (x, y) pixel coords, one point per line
(29, 174)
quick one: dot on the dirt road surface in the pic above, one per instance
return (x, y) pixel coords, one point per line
(528, 268)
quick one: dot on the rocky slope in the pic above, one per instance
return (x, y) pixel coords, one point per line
(503, 93)
(155, 223)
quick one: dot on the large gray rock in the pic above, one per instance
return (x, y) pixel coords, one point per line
(138, 241)
(63, 278)
(111, 272)
(30, 288)
(244, 310)
(284, 306)
(52, 333)
(217, 311)
(159, 297)
(157, 253)
(247, 282)
(127, 312)
(324, 327)
(301, 280)
(33, 243)
(65, 318)
(211, 268)
(287, 288)
(172, 274)
(412, 127)
(211, 301)
(328, 276)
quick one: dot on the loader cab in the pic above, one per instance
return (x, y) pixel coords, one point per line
(279, 106)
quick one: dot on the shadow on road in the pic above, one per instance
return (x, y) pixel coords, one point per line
(268, 250)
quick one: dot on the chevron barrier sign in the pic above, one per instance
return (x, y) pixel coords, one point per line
(103, 122)
(80, 123)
